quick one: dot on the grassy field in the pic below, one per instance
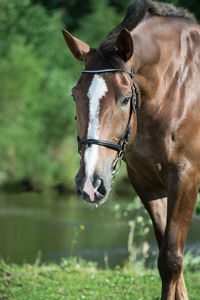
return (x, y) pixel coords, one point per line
(73, 281)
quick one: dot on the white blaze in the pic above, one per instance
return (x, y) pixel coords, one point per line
(96, 92)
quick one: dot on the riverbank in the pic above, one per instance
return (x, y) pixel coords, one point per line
(73, 280)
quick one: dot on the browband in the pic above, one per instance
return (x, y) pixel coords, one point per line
(131, 74)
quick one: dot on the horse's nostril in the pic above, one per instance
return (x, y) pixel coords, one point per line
(97, 184)
(91, 191)
(101, 190)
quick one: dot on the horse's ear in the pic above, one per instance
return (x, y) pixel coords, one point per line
(125, 45)
(78, 48)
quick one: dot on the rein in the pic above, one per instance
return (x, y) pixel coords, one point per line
(120, 147)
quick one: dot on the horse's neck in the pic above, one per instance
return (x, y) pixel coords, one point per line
(160, 46)
(166, 60)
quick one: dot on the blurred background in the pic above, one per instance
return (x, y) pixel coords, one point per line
(39, 212)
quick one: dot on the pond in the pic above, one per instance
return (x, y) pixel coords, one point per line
(59, 227)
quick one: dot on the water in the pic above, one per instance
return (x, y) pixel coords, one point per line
(32, 222)
(60, 227)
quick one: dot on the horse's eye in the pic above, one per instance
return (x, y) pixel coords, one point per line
(125, 101)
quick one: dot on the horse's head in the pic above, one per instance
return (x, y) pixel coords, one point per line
(105, 99)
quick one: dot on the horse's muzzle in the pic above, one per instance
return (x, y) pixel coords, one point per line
(91, 190)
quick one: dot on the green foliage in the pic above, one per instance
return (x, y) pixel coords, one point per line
(197, 208)
(37, 72)
(36, 110)
(101, 11)
(191, 5)
(191, 260)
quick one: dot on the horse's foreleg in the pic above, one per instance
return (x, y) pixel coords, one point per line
(157, 209)
(182, 195)
(181, 291)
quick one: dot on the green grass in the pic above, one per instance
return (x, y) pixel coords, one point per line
(72, 281)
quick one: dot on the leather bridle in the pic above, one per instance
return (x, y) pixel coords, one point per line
(120, 147)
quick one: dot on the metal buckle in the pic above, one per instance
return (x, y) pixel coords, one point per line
(116, 170)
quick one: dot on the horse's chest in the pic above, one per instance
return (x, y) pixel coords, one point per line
(147, 158)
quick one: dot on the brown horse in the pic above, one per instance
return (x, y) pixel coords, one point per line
(141, 88)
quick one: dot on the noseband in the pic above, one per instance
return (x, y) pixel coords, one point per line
(120, 147)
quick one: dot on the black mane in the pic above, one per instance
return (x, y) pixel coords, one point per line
(137, 11)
